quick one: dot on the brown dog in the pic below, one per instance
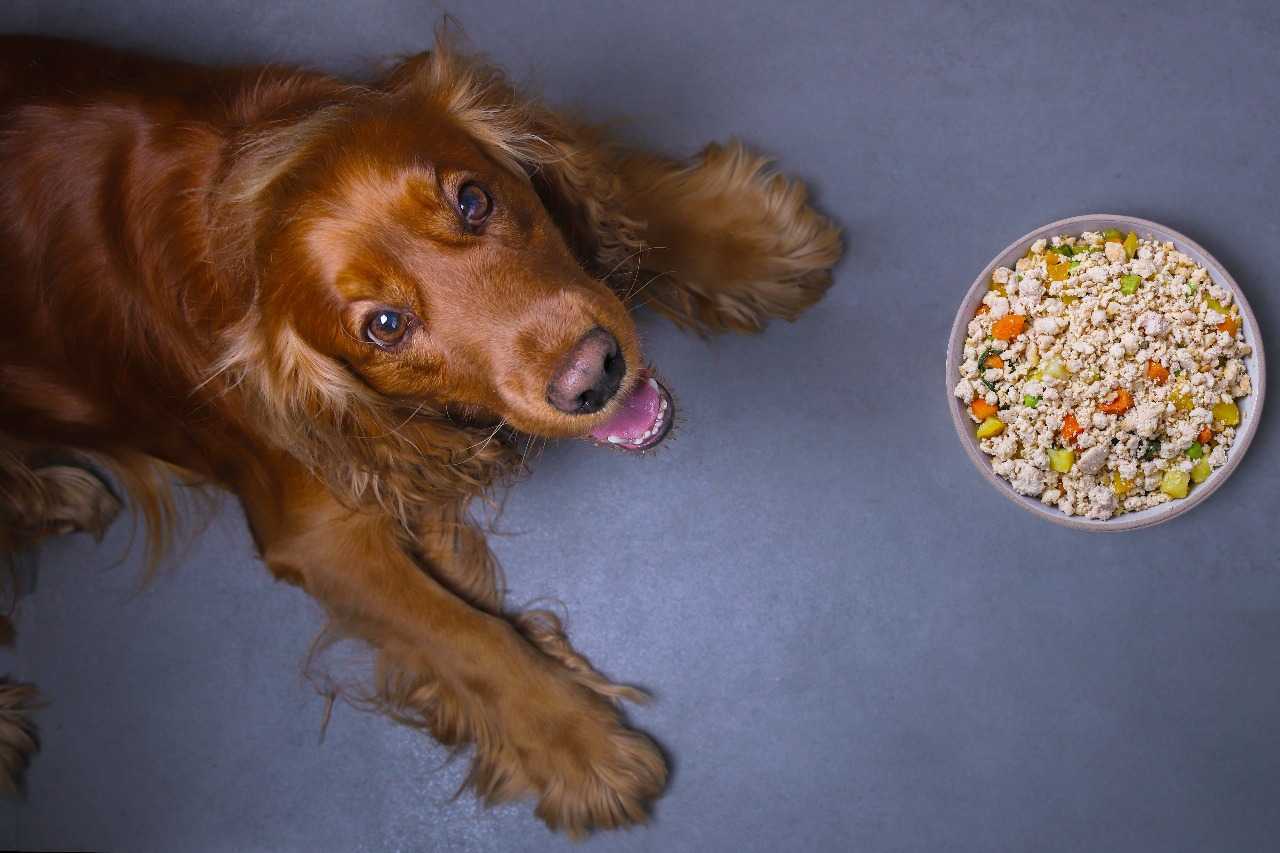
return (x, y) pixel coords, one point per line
(348, 305)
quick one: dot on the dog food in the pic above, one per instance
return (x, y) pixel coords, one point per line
(1102, 373)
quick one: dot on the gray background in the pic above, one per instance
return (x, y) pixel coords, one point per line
(853, 641)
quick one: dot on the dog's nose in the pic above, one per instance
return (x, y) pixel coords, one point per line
(589, 375)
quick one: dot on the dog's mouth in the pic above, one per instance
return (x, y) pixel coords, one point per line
(643, 419)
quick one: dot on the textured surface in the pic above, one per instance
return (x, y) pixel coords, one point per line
(854, 642)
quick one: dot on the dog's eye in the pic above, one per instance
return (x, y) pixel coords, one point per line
(474, 204)
(386, 328)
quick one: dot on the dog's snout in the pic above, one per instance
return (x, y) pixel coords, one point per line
(589, 374)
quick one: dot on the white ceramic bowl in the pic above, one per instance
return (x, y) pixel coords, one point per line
(1250, 406)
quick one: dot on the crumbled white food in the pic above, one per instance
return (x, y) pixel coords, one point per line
(1027, 479)
(1144, 419)
(1173, 346)
(1093, 459)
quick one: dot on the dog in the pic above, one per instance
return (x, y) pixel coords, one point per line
(354, 306)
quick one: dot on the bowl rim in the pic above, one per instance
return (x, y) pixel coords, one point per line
(1133, 520)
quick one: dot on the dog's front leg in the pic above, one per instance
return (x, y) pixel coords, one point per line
(466, 675)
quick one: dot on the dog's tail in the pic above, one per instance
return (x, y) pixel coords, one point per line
(17, 731)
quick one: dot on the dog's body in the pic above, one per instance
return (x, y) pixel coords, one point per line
(341, 303)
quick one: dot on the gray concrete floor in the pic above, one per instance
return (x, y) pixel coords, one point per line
(854, 643)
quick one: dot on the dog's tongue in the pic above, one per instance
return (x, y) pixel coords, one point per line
(637, 414)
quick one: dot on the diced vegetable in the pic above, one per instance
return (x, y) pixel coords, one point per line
(982, 359)
(1008, 327)
(1073, 265)
(1057, 369)
(1231, 325)
(1119, 404)
(1070, 428)
(1157, 372)
(1111, 235)
(1129, 284)
(997, 288)
(1057, 268)
(992, 361)
(1068, 299)
(1130, 245)
(1174, 483)
(1215, 304)
(1200, 471)
(982, 409)
(1120, 485)
(1228, 414)
(1205, 436)
(1181, 398)
(982, 309)
(1196, 450)
(990, 427)
(1030, 400)
(1061, 459)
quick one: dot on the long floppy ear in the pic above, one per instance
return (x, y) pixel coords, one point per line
(571, 165)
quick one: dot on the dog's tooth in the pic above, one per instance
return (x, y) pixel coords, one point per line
(613, 439)
(653, 383)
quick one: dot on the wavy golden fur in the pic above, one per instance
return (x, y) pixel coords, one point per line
(196, 260)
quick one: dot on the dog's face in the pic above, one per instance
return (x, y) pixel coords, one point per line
(434, 273)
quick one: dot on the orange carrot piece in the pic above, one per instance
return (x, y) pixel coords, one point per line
(1231, 325)
(1118, 404)
(1205, 436)
(1008, 327)
(982, 409)
(993, 360)
(1157, 371)
(1070, 428)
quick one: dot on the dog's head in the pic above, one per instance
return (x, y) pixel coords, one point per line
(414, 252)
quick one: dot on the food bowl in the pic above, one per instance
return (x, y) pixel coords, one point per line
(1250, 406)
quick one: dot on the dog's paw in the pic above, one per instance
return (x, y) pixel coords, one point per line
(757, 249)
(17, 732)
(783, 249)
(568, 748)
(76, 500)
(598, 775)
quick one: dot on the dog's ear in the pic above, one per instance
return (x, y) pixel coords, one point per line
(571, 165)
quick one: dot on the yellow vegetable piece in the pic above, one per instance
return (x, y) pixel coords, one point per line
(1068, 299)
(998, 288)
(1130, 245)
(1174, 483)
(1200, 471)
(1057, 266)
(1181, 398)
(1120, 485)
(1057, 370)
(1062, 460)
(990, 427)
(1216, 305)
(1227, 413)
